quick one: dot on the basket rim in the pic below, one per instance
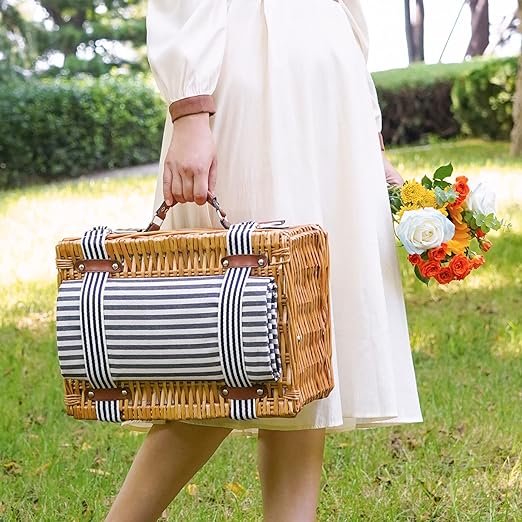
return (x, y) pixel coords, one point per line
(186, 231)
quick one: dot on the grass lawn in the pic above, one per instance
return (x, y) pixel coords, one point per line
(463, 463)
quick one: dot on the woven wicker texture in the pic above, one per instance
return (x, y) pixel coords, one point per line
(298, 261)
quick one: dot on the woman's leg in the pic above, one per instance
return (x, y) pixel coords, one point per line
(169, 456)
(290, 464)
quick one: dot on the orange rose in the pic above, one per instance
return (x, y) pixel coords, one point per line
(415, 259)
(437, 254)
(485, 245)
(460, 266)
(479, 233)
(430, 269)
(477, 261)
(444, 276)
(457, 203)
(461, 186)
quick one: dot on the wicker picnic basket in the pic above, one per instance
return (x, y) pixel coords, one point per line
(296, 257)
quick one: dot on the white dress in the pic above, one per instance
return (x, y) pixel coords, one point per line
(296, 127)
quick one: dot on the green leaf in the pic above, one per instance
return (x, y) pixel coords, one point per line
(426, 182)
(394, 195)
(469, 218)
(491, 221)
(420, 277)
(443, 172)
(441, 184)
(445, 196)
(506, 224)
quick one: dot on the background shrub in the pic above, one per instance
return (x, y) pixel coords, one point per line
(55, 129)
(64, 128)
(482, 100)
(418, 101)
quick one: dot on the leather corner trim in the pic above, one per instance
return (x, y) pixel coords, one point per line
(192, 105)
(239, 393)
(108, 394)
(98, 265)
(245, 260)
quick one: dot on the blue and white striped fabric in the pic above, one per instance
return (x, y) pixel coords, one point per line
(167, 328)
(230, 334)
(111, 329)
(94, 347)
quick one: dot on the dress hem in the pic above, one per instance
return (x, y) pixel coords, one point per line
(348, 424)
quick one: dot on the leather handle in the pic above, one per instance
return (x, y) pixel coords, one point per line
(161, 213)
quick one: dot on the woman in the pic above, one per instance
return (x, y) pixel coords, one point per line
(275, 112)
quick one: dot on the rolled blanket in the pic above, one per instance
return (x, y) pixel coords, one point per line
(164, 328)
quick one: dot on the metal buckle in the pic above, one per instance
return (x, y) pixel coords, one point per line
(276, 223)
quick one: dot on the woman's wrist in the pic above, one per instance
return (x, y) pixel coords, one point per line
(200, 118)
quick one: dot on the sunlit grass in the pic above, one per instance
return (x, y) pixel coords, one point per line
(481, 161)
(463, 463)
(470, 155)
(37, 218)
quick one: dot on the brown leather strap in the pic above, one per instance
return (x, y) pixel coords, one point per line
(192, 105)
(252, 392)
(98, 265)
(108, 394)
(161, 213)
(243, 260)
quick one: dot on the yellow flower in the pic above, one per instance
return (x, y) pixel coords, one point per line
(411, 192)
(404, 208)
(414, 196)
(462, 237)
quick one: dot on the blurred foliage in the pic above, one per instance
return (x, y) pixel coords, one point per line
(423, 101)
(482, 100)
(423, 74)
(92, 36)
(58, 128)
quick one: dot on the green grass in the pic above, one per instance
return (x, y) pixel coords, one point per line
(463, 463)
(467, 156)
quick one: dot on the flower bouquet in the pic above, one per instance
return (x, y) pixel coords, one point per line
(436, 222)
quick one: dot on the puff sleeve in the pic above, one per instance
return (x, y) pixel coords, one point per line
(360, 29)
(185, 47)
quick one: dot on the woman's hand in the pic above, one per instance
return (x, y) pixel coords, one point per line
(190, 165)
(392, 176)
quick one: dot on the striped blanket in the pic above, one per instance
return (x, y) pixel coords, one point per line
(167, 328)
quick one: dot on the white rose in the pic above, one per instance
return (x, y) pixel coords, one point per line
(420, 230)
(481, 200)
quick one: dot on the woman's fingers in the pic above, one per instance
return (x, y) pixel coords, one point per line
(183, 186)
(167, 186)
(201, 187)
(190, 161)
(212, 175)
(177, 187)
(187, 179)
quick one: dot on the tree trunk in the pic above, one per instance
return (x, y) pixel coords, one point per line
(418, 31)
(479, 27)
(415, 30)
(408, 28)
(516, 133)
